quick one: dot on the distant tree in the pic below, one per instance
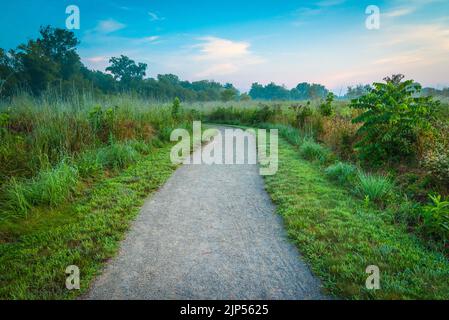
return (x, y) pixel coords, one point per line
(357, 91)
(245, 97)
(126, 71)
(302, 91)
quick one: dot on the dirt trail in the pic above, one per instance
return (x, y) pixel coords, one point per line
(211, 232)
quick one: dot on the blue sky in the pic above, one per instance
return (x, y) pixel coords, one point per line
(285, 41)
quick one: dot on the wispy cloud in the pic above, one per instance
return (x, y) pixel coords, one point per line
(109, 26)
(399, 12)
(330, 3)
(219, 56)
(155, 17)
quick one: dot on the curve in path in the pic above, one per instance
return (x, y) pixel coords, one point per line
(211, 232)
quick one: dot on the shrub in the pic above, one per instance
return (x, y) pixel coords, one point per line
(341, 172)
(325, 108)
(375, 187)
(436, 217)
(392, 117)
(117, 156)
(313, 151)
(176, 108)
(436, 162)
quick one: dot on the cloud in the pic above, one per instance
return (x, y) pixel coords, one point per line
(155, 17)
(330, 3)
(109, 26)
(217, 56)
(399, 12)
(97, 59)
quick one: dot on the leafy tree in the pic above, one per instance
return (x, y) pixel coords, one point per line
(392, 117)
(126, 71)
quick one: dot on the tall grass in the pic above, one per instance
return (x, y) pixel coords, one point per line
(51, 187)
(343, 173)
(48, 142)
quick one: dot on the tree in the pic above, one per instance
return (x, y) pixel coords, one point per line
(392, 117)
(126, 70)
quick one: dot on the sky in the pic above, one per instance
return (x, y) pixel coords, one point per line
(285, 41)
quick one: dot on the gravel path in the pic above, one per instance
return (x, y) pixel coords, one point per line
(211, 232)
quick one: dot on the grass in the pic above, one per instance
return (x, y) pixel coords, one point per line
(341, 172)
(35, 251)
(311, 150)
(375, 187)
(340, 236)
(51, 187)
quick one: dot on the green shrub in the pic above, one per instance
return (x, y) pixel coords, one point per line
(117, 156)
(325, 108)
(375, 187)
(393, 116)
(313, 151)
(176, 108)
(341, 172)
(436, 217)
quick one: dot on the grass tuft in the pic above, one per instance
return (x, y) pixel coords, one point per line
(341, 172)
(313, 151)
(376, 187)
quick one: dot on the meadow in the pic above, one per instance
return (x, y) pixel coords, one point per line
(75, 171)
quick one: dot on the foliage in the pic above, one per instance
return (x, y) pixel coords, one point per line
(325, 108)
(436, 217)
(86, 231)
(339, 237)
(391, 120)
(51, 187)
(343, 173)
(376, 187)
(176, 108)
(311, 150)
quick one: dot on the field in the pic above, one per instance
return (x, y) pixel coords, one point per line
(75, 172)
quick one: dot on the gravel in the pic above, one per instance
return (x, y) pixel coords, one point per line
(211, 232)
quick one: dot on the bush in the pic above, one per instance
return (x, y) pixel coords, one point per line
(341, 172)
(313, 151)
(436, 217)
(393, 115)
(117, 156)
(375, 187)
(325, 108)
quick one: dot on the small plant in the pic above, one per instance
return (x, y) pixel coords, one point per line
(311, 150)
(176, 108)
(436, 217)
(376, 187)
(341, 172)
(326, 109)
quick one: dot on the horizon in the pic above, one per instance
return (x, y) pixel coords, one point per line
(323, 42)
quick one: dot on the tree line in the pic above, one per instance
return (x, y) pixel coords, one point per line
(51, 62)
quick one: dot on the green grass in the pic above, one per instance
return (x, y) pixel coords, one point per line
(51, 187)
(339, 236)
(375, 187)
(35, 251)
(341, 172)
(311, 150)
